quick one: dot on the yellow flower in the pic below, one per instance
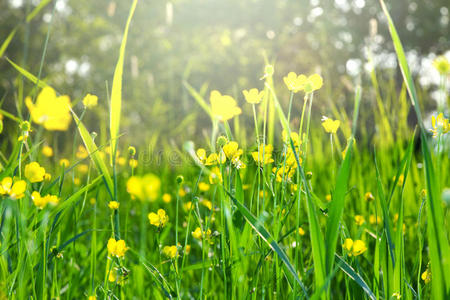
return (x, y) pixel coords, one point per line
(159, 219)
(51, 199)
(133, 163)
(47, 177)
(197, 233)
(49, 110)
(301, 231)
(223, 107)
(203, 186)
(117, 248)
(440, 125)
(328, 198)
(231, 149)
(47, 151)
(34, 172)
(182, 192)
(187, 249)
(264, 155)
(215, 176)
(83, 168)
(170, 251)
(293, 82)
(442, 65)
(166, 198)
(89, 101)
(426, 276)
(92, 297)
(373, 219)
(113, 205)
(144, 188)
(81, 152)
(294, 136)
(354, 248)
(369, 197)
(401, 179)
(15, 191)
(359, 220)
(329, 125)
(206, 203)
(313, 83)
(64, 162)
(253, 96)
(38, 201)
(187, 205)
(201, 155)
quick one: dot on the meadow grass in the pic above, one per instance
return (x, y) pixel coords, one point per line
(320, 209)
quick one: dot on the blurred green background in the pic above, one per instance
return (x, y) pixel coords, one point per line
(216, 45)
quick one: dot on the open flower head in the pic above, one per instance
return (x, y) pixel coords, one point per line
(113, 205)
(51, 111)
(14, 190)
(90, 101)
(170, 251)
(158, 219)
(330, 125)
(354, 248)
(440, 125)
(426, 276)
(223, 107)
(117, 248)
(253, 96)
(34, 172)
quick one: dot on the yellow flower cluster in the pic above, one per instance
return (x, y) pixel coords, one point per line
(296, 83)
(50, 111)
(426, 276)
(158, 219)
(41, 202)
(90, 101)
(233, 154)
(117, 248)
(197, 234)
(144, 188)
(170, 251)
(354, 248)
(264, 155)
(14, 190)
(113, 205)
(440, 125)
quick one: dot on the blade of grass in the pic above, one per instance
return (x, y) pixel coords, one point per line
(437, 233)
(27, 74)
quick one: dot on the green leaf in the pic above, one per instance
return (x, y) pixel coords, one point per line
(116, 91)
(355, 276)
(200, 100)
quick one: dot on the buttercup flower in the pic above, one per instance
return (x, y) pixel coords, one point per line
(89, 101)
(264, 155)
(354, 248)
(426, 276)
(15, 190)
(197, 233)
(301, 231)
(440, 125)
(223, 107)
(34, 172)
(369, 197)
(203, 186)
(166, 198)
(113, 205)
(47, 151)
(51, 111)
(117, 248)
(253, 96)
(144, 188)
(170, 251)
(159, 219)
(330, 126)
(293, 82)
(359, 220)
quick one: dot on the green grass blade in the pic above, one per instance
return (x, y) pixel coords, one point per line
(355, 276)
(27, 74)
(437, 233)
(116, 91)
(94, 154)
(200, 100)
(267, 237)
(338, 197)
